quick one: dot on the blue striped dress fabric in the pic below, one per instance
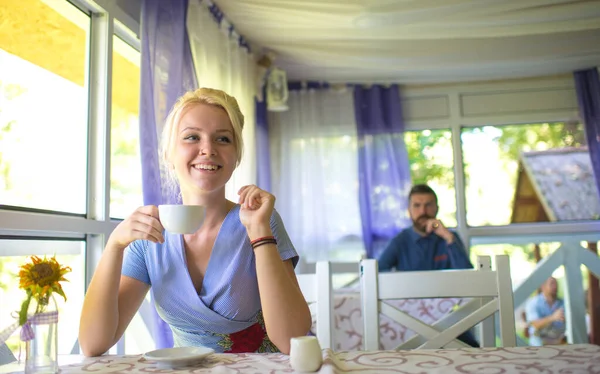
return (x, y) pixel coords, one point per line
(228, 301)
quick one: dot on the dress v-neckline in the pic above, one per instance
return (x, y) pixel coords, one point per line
(200, 293)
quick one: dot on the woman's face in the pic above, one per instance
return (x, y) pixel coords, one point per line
(204, 153)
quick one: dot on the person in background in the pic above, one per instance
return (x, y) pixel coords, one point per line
(230, 285)
(546, 316)
(427, 244)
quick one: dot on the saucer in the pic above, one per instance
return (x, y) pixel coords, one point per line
(177, 357)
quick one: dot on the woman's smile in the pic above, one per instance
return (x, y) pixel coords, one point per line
(207, 167)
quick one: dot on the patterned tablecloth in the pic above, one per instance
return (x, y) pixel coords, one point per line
(348, 332)
(583, 358)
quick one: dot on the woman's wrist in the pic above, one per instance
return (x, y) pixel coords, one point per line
(114, 247)
(258, 231)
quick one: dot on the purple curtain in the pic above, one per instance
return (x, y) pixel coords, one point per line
(383, 169)
(263, 156)
(587, 84)
(167, 72)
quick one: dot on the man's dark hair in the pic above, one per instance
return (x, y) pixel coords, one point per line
(422, 189)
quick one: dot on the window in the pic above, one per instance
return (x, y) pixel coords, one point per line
(43, 105)
(68, 253)
(327, 176)
(528, 173)
(431, 162)
(126, 170)
(44, 83)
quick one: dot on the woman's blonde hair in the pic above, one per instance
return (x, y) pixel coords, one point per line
(206, 96)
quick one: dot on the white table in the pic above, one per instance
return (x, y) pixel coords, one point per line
(583, 358)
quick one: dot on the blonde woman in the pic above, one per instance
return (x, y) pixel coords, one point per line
(229, 286)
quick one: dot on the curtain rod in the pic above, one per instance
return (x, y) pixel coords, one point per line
(318, 85)
(221, 20)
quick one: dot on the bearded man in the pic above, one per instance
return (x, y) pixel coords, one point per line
(427, 244)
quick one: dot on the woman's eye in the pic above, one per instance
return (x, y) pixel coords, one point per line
(191, 137)
(223, 139)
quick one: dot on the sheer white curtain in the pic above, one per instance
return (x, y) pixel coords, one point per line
(315, 174)
(221, 63)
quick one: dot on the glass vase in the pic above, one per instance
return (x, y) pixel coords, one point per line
(41, 352)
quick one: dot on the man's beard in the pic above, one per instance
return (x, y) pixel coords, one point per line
(421, 223)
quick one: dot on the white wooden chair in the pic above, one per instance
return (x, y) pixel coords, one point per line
(318, 292)
(348, 270)
(490, 290)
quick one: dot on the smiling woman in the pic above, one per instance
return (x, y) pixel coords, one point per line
(240, 292)
(204, 147)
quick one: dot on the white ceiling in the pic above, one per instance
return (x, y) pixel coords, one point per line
(421, 41)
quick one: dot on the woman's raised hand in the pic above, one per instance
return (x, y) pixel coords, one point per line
(143, 223)
(256, 207)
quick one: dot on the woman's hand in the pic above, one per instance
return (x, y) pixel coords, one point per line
(256, 209)
(142, 224)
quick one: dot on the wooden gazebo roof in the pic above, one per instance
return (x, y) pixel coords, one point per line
(555, 185)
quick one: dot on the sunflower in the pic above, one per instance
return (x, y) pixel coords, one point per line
(40, 278)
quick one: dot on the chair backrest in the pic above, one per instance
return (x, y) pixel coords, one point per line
(318, 292)
(343, 274)
(490, 290)
(336, 267)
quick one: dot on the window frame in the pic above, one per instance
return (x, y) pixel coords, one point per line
(94, 227)
(447, 129)
(454, 119)
(128, 37)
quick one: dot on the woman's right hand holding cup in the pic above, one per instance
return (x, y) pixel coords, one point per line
(142, 224)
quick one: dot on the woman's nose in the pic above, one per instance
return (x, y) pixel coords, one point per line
(207, 148)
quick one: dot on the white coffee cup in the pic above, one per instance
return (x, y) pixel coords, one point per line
(305, 354)
(181, 219)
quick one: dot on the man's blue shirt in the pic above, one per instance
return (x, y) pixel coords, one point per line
(538, 308)
(409, 251)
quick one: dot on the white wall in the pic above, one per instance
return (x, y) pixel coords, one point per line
(490, 103)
